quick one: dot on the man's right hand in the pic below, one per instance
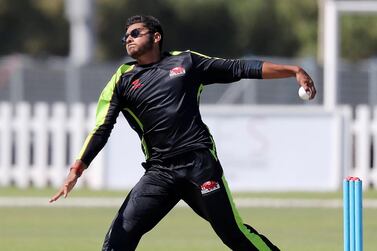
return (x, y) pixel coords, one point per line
(75, 172)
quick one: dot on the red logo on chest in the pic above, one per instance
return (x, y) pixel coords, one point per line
(136, 84)
(177, 71)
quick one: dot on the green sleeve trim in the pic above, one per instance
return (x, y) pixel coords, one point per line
(175, 53)
(202, 55)
(254, 238)
(104, 103)
(213, 150)
(107, 93)
(83, 148)
(199, 54)
(200, 90)
(136, 118)
(143, 142)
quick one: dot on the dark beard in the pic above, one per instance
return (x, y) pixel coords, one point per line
(146, 47)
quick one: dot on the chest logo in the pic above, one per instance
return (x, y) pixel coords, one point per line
(136, 84)
(177, 71)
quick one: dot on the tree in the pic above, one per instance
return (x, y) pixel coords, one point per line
(358, 36)
(215, 27)
(24, 28)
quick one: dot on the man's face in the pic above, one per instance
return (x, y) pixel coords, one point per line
(138, 40)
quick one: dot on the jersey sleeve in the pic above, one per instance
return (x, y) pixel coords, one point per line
(217, 70)
(107, 111)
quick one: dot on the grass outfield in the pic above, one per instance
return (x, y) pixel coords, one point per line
(58, 229)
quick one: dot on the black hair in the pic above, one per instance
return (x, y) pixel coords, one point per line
(150, 22)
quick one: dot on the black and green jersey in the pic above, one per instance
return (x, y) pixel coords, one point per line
(161, 102)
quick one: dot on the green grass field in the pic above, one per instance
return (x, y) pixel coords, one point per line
(83, 229)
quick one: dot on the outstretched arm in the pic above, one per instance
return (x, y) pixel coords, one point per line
(107, 111)
(74, 173)
(215, 70)
(271, 71)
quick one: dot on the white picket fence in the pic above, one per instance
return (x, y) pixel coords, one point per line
(37, 144)
(363, 140)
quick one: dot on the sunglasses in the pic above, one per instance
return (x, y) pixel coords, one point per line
(135, 33)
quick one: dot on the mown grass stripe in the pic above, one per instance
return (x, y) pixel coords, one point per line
(116, 202)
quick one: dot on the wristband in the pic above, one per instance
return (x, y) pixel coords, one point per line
(78, 170)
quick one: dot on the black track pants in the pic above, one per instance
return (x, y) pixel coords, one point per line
(195, 177)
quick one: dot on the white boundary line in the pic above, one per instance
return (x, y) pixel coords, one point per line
(116, 202)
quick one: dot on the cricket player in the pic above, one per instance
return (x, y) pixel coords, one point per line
(159, 96)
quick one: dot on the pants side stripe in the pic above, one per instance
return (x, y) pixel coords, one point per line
(255, 239)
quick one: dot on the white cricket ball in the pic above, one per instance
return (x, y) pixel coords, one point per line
(303, 94)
